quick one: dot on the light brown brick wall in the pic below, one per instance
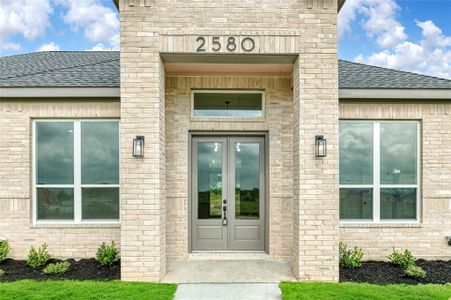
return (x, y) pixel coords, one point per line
(306, 28)
(16, 225)
(278, 124)
(427, 239)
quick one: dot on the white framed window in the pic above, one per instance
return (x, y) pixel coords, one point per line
(76, 171)
(379, 171)
(227, 104)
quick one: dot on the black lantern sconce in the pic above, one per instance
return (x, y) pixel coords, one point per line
(138, 146)
(320, 146)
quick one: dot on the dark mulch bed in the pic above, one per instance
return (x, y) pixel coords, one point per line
(379, 272)
(84, 269)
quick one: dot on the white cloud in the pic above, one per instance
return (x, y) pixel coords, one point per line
(431, 55)
(101, 47)
(99, 23)
(49, 47)
(347, 14)
(25, 17)
(380, 22)
(9, 46)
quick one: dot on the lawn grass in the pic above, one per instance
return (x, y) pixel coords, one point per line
(359, 291)
(79, 290)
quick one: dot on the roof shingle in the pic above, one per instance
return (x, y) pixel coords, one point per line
(102, 69)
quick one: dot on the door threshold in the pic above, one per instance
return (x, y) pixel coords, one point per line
(228, 255)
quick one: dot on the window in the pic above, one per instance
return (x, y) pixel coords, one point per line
(76, 170)
(231, 104)
(379, 171)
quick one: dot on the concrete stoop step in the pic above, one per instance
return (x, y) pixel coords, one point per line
(228, 291)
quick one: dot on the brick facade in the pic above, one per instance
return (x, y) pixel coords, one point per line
(428, 238)
(16, 223)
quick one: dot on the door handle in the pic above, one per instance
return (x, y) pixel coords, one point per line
(224, 208)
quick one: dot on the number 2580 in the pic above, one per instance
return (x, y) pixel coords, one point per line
(247, 44)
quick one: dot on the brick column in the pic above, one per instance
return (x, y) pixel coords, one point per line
(315, 212)
(143, 209)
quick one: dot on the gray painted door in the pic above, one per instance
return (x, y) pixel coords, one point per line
(228, 194)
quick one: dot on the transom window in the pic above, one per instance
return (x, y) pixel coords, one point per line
(229, 104)
(76, 177)
(379, 171)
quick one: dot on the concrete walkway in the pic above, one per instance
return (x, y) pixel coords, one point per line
(228, 291)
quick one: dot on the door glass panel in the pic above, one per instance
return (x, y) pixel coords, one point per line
(209, 180)
(247, 180)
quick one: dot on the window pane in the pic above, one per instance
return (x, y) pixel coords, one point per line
(356, 204)
(209, 180)
(100, 203)
(398, 203)
(356, 153)
(55, 203)
(228, 105)
(55, 152)
(247, 180)
(398, 153)
(100, 152)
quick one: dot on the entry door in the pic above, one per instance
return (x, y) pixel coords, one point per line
(228, 194)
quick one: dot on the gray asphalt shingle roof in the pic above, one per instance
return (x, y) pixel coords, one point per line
(61, 69)
(102, 69)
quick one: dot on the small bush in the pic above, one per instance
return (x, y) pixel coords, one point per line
(415, 271)
(2, 273)
(57, 268)
(107, 255)
(403, 259)
(39, 257)
(351, 258)
(4, 250)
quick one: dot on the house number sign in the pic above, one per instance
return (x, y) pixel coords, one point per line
(231, 44)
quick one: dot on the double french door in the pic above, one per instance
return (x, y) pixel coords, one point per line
(228, 194)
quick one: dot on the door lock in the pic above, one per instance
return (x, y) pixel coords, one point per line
(224, 208)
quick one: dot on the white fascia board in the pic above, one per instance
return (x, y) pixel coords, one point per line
(394, 94)
(52, 92)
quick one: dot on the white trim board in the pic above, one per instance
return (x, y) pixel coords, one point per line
(52, 92)
(394, 94)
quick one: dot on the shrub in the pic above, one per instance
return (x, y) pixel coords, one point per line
(4, 250)
(415, 271)
(107, 255)
(351, 258)
(57, 268)
(2, 273)
(39, 257)
(403, 259)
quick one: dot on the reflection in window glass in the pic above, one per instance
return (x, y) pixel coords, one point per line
(228, 105)
(209, 180)
(247, 180)
(398, 203)
(55, 152)
(55, 203)
(100, 152)
(356, 204)
(356, 153)
(398, 153)
(100, 203)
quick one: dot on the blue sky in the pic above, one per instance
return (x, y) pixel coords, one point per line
(411, 35)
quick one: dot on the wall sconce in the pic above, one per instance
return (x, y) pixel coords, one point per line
(449, 240)
(320, 146)
(138, 146)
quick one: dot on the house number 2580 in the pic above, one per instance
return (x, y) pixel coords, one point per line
(247, 44)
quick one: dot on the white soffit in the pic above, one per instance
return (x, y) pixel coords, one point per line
(395, 94)
(53, 92)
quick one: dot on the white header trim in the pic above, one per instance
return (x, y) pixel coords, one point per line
(59, 92)
(394, 94)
